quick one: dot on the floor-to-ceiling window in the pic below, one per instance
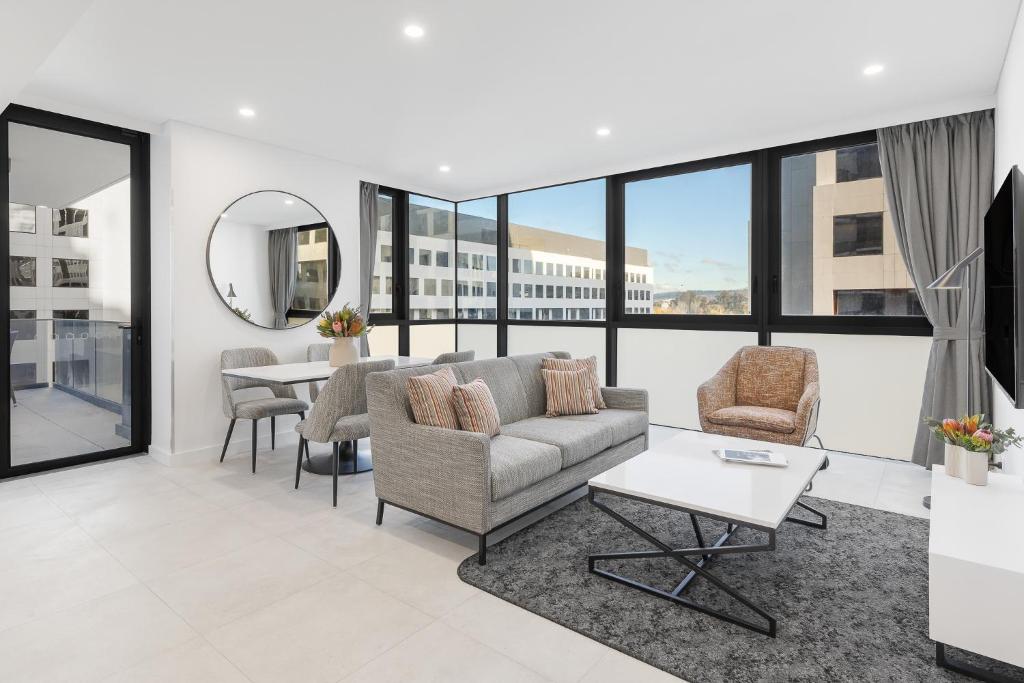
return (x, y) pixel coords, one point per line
(77, 294)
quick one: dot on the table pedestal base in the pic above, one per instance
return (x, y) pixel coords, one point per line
(321, 464)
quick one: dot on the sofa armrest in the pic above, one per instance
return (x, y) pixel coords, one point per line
(805, 411)
(625, 399)
(717, 393)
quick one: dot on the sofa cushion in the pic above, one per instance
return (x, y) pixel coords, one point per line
(770, 376)
(431, 399)
(529, 367)
(589, 364)
(519, 463)
(475, 407)
(568, 392)
(502, 377)
(625, 424)
(577, 440)
(756, 417)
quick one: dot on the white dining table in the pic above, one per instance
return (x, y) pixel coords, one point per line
(319, 371)
(311, 371)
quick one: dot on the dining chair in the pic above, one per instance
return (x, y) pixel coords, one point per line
(282, 402)
(454, 357)
(317, 352)
(339, 415)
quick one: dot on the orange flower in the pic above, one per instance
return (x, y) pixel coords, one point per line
(355, 327)
(970, 423)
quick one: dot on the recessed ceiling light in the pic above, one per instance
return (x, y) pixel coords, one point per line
(444, 168)
(246, 112)
(414, 31)
(604, 132)
(289, 202)
(874, 69)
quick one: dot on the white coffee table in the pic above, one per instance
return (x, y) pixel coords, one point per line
(684, 474)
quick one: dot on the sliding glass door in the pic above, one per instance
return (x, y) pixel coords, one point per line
(77, 291)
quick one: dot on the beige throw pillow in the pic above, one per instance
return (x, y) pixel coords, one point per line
(431, 399)
(588, 364)
(476, 409)
(568, 392)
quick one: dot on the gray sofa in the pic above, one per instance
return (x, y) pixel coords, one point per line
(480, 484)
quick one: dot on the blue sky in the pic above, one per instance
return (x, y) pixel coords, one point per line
(695, 226)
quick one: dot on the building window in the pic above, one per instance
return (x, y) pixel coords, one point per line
(858, 234)
(430, 287)
(555, 232)
(24, 323)
(877, 302)
(22, 271)
(70, 272)
(431, 230)
(859, 162)
(441, 259)
(462, 259)
(376, 285)
(71, 314)
(383, 267)
(446, 288)
(709, 211)
(70, 222)
(825, 219)
(478, 235)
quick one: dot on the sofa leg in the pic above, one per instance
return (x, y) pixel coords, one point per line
(380, 512)
(482, 553)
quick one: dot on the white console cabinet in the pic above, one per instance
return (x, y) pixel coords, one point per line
(976, 569)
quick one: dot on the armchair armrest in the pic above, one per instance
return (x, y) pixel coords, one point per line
(806, 411)
(625, 399)
(718, 392)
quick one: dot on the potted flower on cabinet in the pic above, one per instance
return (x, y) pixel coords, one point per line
(971, 445)
(344, 327)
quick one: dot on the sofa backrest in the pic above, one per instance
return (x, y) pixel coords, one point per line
(515, 382)
(771, 376)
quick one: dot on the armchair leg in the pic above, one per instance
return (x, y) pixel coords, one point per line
(231, 428)
(482, 552)
(298, 462)
(380, 512)
(254, 423)
(273, 431)
(334, 469)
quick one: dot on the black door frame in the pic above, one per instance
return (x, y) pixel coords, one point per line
(138, 143)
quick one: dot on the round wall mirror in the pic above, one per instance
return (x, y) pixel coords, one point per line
(273, 259)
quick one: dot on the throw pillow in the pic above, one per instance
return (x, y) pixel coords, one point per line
(569, 392)
(476, 409)
(431, 399)
(588, 364)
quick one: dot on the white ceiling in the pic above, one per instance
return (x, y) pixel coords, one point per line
(55, 169)
(509, 93)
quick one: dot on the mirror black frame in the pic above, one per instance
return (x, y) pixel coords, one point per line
(333, 260)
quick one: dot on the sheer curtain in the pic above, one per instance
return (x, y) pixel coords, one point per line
(369, 218)
(284, 272)
(938, 181)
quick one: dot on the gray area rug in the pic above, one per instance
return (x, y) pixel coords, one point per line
(851, 601)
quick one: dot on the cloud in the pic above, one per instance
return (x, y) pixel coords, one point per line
(716, 263)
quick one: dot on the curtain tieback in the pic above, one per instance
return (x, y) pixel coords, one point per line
(954, 334)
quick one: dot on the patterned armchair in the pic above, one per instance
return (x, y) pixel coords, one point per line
(769, 393)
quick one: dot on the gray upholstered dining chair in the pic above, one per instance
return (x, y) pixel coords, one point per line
(454, 357)
(339, 415)
(315, 352)
(283, 401)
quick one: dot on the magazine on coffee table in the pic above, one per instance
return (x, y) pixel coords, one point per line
(752, 457)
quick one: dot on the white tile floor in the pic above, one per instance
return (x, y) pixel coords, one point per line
(131, 571)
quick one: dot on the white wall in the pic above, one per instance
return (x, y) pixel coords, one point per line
(196, 173)
(870, 390)
(1010, 151)
(671, 364)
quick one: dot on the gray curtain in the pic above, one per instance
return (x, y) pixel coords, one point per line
(284, 272)
(938, 180)
(369, 219)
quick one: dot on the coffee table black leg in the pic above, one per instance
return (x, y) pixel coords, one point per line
(821, 524)
(968, 669)
(695, 568)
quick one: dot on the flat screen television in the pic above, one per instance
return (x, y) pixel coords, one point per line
(1004, 287)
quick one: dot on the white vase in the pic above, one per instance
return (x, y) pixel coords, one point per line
(344, 350)
(954, 460)
(975, 469)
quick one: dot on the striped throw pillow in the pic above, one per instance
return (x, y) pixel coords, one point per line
(431, 399)
(476, 409)
(568, 392)
(588, 364)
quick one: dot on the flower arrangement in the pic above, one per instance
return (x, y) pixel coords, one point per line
(973, 434)
(348, 322)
